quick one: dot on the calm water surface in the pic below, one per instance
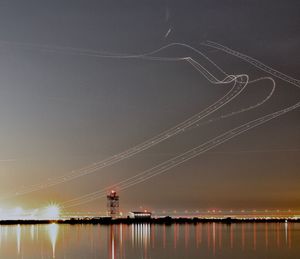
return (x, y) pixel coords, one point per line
(212, 240)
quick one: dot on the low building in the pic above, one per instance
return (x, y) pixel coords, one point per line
(140, 215)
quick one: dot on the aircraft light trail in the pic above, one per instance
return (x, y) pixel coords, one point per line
(240, 82)
(237, 88)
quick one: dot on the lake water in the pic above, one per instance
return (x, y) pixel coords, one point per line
(211, 240)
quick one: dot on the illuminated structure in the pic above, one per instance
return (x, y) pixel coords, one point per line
(140, 215)
(112, 204)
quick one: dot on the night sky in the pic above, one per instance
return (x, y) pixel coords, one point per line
(61, 109)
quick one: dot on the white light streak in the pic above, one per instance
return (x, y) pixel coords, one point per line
(239, 84)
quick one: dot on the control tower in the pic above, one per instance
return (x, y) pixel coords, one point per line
(113, 204)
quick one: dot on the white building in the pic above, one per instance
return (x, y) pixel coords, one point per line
(140, 215)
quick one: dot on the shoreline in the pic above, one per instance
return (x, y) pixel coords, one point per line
(159, 221)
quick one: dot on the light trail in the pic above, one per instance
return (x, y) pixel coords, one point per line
(224, 116)
(237, 88)
(140, 147)
(254, 62)
(121, 186)
(171, 163)
(259, 151)
(165, 166)
(179, 128)
(168, 32)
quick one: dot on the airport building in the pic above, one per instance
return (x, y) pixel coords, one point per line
(140, 215)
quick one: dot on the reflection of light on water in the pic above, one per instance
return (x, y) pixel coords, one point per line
(277, 235)
(132, 235)
(197, 234)
(18, 232)
(58, 241)
(208, 236)
(254, 236)
(32, 232)
(266, 236)
(113, 247)
(286, 231)
(186, 235)
(140, 235)
(231, 236)
(243, 236)
(220, 236)
(164, 236)
(53, 233)
(214, 237)
(111, 243)
(121, 239)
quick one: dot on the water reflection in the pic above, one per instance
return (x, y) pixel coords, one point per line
(53, 233)
(18, 233)
(142, 236)
(243, 237)
(149, 241)
(32, 232)
(266, 236)
(254, 236)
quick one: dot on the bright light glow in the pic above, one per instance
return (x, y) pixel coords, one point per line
(17, 213)
(52, 212)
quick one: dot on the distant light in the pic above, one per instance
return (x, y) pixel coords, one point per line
(51, 212)
(18, 213)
